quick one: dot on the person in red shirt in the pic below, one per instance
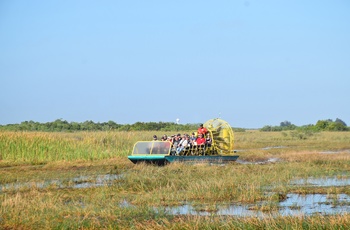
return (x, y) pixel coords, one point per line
(202, 130)
(200, 140)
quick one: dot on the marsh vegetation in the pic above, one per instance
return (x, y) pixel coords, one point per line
(84, 180)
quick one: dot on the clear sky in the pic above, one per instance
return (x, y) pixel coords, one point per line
(253, 63)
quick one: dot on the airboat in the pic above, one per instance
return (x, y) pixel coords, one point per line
(162, 152)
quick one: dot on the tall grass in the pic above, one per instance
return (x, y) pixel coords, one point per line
(312, 141)
(39, 147)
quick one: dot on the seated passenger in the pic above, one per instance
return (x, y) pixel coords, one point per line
(176, 141)
(182, 138)
(200, 140)
(179, 136)
(193, 139)
(183, 144)
(208, 140)
(164, 137)
(155, 138)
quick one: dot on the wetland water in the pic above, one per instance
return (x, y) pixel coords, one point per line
(294, 204)
(323, 182)
(336, 152)
(76, 182)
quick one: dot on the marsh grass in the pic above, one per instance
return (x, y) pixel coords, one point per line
(38, 157)
(41, 147)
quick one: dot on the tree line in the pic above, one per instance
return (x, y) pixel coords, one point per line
(321, 125)
(60, 125)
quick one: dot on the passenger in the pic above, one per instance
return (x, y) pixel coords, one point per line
(179, 136)
(200, 140)
(155, 138)
(208, 140)
(188, 141)
(193, 139)
(182, 139)
(164, 137)
(176, 142)
(183, 144)
(202, 130)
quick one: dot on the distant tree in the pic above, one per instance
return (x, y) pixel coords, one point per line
(267, 128)
(340, 121)
(323, 124)
(285, 123)
(336, 126)
(329, 125)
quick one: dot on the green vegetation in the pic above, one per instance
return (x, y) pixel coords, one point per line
(321, 125)
(60, 125)
(138, 198)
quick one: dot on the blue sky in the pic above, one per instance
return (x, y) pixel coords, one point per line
(253, 63)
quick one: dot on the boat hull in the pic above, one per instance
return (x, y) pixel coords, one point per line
(209, 159)
(161, 160)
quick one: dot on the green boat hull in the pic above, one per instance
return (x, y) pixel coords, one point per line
(161, 160)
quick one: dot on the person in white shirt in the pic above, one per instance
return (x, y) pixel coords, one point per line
(183, 144)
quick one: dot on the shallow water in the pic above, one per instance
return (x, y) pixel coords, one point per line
(100, 180)
(76, 182)
(268, 161)
(323, 182)
(308, 204)
(274, 147)
(295, 204)
(336, 152)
